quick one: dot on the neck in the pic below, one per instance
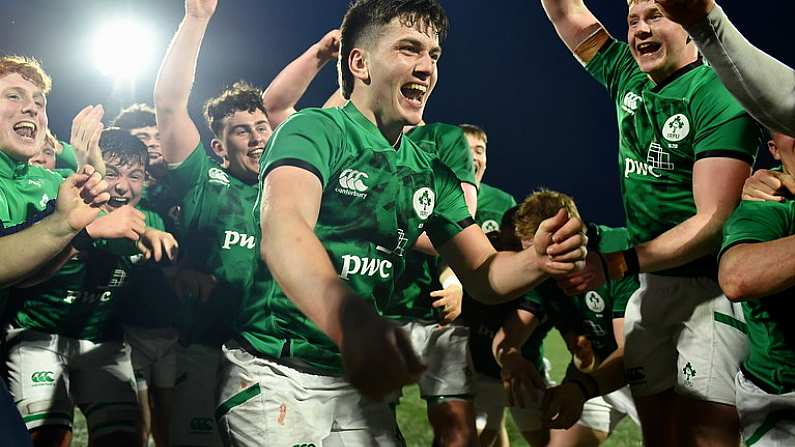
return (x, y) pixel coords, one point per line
(663, 75)
(370, 109)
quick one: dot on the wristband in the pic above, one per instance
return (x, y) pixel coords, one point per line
(631, 259)
(623, 263)
(450, 281)
(605, 270)
(594, 235)
(82, 241)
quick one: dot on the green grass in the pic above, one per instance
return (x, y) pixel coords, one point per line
(414, 424)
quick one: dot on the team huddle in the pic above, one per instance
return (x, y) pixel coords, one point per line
(280, 284)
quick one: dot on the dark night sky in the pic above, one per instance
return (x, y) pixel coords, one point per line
(503, 68)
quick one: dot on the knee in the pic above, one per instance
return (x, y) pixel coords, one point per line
(453, 424)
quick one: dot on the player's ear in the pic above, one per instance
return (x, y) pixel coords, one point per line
(218, 149)
(357, 62)
(771, 146)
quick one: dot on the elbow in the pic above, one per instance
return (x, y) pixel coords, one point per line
(733, 282)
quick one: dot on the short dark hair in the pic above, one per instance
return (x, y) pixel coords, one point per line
(475, 131)
(135, 116)
(364, 17)
(119, 143)
(240, 97)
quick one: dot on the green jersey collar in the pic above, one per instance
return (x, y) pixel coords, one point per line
(11, 168)
(356, 116)
(678, 74)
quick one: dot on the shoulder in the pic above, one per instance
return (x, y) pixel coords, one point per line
(496, 195)
(314, 116)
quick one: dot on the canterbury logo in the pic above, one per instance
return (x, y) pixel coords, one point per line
(352, 183)
(42, 377)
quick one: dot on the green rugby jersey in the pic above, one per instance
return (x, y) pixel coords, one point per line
(218, 237)
(546, 302)
(598, 308)
(492, 204)
(663, 130)
(411, 299)
(376, 201)
(81, 300)
(771, 334)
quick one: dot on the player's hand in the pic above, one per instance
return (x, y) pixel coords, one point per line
(685, 12)
(449, 301)
(523, 384)
(768, 186)
(562, 406)
(191, 284)
(376, 354)
(155, 243)
(583, 358)
(124, 222)
(86, 130)
(591, 277)
(200, 9)
(328, 47)
(80, 198)
(560, 243)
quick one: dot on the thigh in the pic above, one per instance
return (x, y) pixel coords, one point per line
(711, 345)
(38, 378)
(193, 418)
(103, 386)
(490, 403)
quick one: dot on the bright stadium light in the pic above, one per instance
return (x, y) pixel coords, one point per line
(123, 49)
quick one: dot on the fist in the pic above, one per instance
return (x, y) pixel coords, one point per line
(685, 12)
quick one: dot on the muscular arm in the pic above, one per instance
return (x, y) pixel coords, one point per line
(577, 27)
(754, 270)
(34, 248)
(762, 84)
(178, 133)
(291, 83)
(717, 184)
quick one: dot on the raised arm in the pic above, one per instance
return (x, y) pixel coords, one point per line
(178, 133)
(577, 27)
(291, 83)
(762, 84)
(290, 205)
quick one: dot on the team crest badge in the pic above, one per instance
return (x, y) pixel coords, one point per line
(490, 225)
(594, 302)
(424, 200)
(676, 128)
(218, 176)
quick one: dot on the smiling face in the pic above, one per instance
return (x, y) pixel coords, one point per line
(125, 179)
(24, 117)
(395, 74)
(659, 46)
(477, 145)
(46, 157)
(242, 141)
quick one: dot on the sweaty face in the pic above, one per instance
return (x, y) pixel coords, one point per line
(658, 45)
(151, 138)
(125, 182)
(45, 158)
(23, 111)
(478, 147)
(783, 149)
(402, 72)
(243, 141)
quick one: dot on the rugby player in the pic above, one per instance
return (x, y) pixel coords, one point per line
(343, 196)
(685, 148)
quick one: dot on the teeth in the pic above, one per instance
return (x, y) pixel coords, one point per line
(25, 124)
(256, 152)
(415, 86)
(118, 201)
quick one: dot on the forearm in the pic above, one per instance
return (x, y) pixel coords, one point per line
(290, 84)
(504, 276)
(321, 296)
(609, 375)
(692, 239)
(573, 21)
(755, 270)
(33, 248)
(175, 79)
(764, 86)
(512, 335)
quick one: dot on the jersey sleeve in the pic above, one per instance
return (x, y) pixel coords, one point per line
(455, 153)
(612, 240)
(450, 214)
(620, 292)
(612, 66)
(309, 139)
(754, 221)
(191, 173)
(724, 128)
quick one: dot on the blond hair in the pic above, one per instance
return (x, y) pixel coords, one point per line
(27, 67)
(537, 207)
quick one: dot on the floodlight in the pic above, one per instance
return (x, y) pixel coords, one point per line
(123, 48)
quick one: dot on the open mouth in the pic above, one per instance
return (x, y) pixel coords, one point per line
(26, 130)
(256, 153)
(414, 92)
(647, 48)
(118, 202)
